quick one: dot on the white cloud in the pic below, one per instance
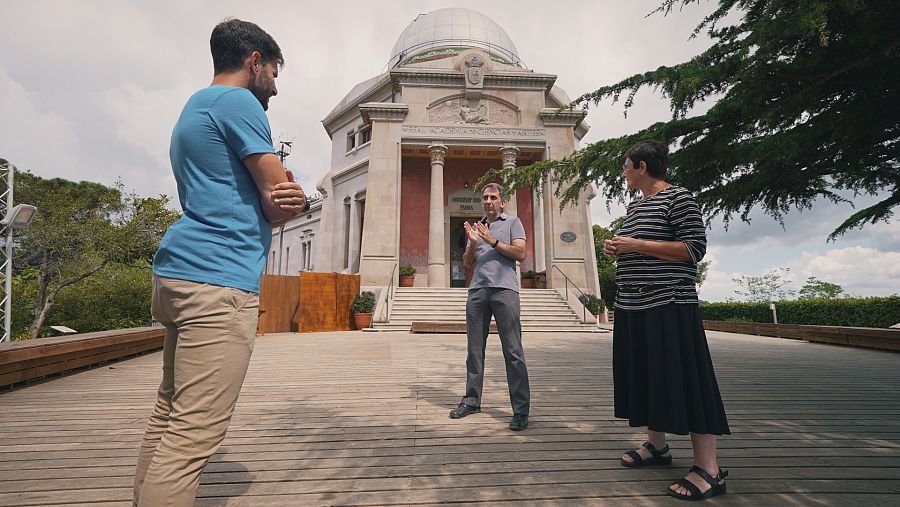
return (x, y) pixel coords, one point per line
(719, 285)
(33, 137)
(859, 270)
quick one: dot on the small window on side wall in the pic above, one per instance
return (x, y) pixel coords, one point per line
(365, 135)
(351, 140)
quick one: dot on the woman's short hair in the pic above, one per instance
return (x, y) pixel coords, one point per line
(233, 40)
(652, 153)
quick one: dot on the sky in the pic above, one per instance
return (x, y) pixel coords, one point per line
(90, 90)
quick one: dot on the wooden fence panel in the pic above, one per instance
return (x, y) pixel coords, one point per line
(279, 298)
(318, 302)
(325, 300)
(346, 288)
(308, 303)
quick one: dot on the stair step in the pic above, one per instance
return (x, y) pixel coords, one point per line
(425, 309)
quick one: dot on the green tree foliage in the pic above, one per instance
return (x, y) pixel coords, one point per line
(702, 271)
(116, 297)
(80, 229)
(606, 266)
(771, 286)
(802, 92)
(819, 289)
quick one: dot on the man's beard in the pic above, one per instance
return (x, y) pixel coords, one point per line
(264, 102)
(262, 95)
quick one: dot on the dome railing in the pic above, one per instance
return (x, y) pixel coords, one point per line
(439, 43)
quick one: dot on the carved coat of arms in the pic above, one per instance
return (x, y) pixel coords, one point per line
(474, 69)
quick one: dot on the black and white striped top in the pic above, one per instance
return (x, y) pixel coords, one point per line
(646, 282)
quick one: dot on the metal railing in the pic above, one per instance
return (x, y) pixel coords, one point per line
(568, 281)
(388, 297)
(465, 42)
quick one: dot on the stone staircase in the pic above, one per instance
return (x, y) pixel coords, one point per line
(542, 310)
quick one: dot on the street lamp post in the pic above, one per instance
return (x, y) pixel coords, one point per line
(282, 153)
(17, 217)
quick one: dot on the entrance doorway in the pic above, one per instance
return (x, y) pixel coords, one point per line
(459, 275)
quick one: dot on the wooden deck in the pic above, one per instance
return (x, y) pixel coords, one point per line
(354, 418)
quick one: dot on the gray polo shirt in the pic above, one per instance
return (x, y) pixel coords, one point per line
(493, 269)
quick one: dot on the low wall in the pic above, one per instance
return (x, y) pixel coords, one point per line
(25, 360)
(866, 337)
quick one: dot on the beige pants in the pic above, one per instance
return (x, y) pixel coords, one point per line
(209, 338)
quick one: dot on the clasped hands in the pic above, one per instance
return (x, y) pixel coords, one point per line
(479, 229)
(619, 245)
(289, 196)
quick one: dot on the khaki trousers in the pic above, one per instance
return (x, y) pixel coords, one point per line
(210, 332)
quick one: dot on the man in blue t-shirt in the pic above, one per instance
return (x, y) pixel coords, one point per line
(232, 189)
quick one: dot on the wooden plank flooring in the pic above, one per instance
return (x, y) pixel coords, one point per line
(354, 418)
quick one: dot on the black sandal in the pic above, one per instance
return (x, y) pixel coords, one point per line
(656, 457)
(717, 486)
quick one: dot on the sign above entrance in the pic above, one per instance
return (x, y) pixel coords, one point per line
(463, 203)
(568, 236)
(471, 131)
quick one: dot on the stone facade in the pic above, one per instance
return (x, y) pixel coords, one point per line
(408, 146)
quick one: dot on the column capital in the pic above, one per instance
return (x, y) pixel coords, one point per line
(509, 153)
(437, 151)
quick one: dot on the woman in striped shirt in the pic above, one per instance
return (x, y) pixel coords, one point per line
(662, 370)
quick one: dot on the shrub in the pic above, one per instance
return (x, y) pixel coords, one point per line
(879, 312)
(407, 270)
(528, 275)
(592, 303)
(364, 302)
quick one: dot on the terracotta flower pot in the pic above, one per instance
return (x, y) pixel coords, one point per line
(407, 281)
(528, 283)
(362, 320)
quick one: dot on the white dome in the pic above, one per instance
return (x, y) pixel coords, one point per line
(453, 28)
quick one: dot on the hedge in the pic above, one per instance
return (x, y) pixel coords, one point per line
(880, 312)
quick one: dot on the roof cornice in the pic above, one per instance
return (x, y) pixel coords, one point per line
(385, 111)
(553, 117)
(455, 79)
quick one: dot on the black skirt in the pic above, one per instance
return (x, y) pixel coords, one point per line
(663, 374)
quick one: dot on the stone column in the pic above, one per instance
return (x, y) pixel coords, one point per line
(436, 263)
(509, 153)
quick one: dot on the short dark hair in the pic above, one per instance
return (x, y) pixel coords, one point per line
(653, 153)
(496, 187)
(233, 40)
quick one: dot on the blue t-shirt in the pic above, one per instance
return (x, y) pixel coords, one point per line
(222, 238)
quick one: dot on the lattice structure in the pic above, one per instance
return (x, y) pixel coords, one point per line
(7, 172)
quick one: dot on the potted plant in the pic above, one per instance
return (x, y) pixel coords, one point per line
(363, 306)
(407, 275)
(528, 279)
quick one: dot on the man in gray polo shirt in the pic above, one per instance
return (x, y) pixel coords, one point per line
(494, 246)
